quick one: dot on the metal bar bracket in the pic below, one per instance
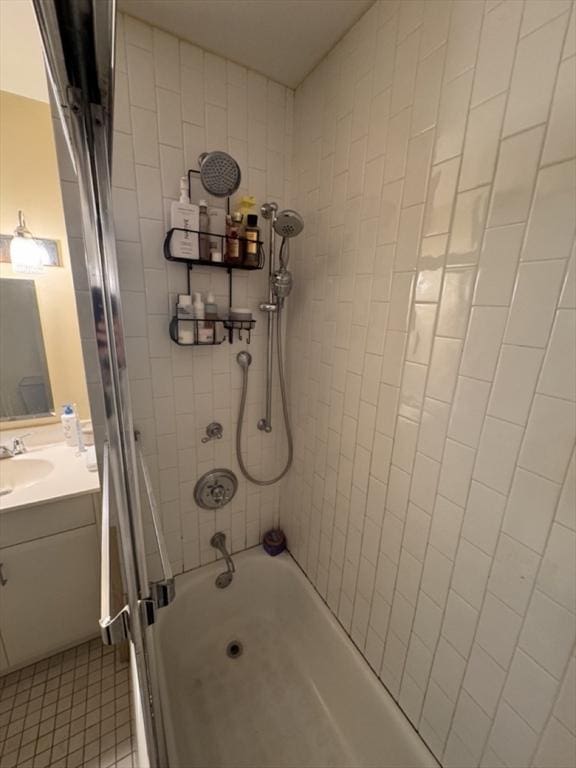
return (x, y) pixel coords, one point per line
(147, 611)
(162, 592)
(117, 629)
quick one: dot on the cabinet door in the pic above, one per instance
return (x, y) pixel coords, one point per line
(50, 599)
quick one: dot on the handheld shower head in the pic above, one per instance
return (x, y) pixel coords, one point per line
(244, 359)
(288, 223)
(219, 173)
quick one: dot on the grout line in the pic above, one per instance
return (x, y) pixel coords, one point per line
(553, 707)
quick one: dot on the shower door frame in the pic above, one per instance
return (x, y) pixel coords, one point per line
(78, 38)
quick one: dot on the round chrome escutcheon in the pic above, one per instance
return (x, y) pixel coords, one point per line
(215, 488)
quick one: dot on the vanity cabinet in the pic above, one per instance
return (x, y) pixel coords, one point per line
(50, 598)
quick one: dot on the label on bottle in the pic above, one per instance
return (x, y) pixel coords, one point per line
(184, 244)
(69, 429)
(217, 225)
(233, 248)
(206, 333)
(251, 246)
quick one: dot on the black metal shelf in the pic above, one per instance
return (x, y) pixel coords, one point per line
(228, 324)
(223, 241)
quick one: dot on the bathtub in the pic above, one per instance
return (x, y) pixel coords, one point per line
(298, 694)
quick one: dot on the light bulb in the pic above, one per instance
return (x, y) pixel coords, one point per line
(26, 255)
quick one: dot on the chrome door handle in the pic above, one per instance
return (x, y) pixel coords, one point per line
(3, 579)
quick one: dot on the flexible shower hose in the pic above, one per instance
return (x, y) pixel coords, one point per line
(285, 412)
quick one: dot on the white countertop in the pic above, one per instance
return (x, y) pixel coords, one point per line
(69, 476)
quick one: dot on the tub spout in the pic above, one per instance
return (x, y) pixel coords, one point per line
(218, 541)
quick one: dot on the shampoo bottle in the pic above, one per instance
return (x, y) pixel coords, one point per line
(233, 243)
(184, 215)
(184, 312)
(198, 311)
(209, 332)
(204, 236)
(210, 306)
(217, 227)
(251, 235)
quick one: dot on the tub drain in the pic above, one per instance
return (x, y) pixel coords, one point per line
(234, 649)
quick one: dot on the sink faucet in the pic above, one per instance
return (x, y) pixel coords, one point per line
(18, 447)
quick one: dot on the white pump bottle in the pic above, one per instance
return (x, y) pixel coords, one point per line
(184, 215)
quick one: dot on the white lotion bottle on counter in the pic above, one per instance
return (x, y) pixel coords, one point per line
(69, 420)
(184, 215)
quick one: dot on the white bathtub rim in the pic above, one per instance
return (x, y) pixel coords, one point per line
(190, 580)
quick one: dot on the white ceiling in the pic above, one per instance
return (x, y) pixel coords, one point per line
(283, 39)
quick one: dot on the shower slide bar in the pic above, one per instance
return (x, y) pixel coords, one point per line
(115, 629)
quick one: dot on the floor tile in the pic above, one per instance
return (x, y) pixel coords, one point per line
(72, 710)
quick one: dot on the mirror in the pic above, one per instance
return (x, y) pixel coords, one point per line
(25, 390)
(44, 318)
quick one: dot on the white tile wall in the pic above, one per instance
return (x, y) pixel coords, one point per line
(181, 101)
(433, 376)
(174, 101)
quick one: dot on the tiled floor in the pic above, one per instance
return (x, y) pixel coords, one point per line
(68, 711)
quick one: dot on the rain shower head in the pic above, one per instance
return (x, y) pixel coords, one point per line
(288, 223)
(219, 173)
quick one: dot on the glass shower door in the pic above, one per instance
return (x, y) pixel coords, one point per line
(78, 41)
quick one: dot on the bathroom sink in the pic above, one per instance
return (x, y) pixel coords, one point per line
(21, 472)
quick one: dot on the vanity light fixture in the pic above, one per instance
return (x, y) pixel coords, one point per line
(26, 255)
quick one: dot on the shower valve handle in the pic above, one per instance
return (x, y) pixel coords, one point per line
(219, 494)
(214, 431)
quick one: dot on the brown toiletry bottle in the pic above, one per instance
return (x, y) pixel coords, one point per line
(251, 235)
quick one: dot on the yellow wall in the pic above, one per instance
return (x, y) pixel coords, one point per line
(29, 181)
